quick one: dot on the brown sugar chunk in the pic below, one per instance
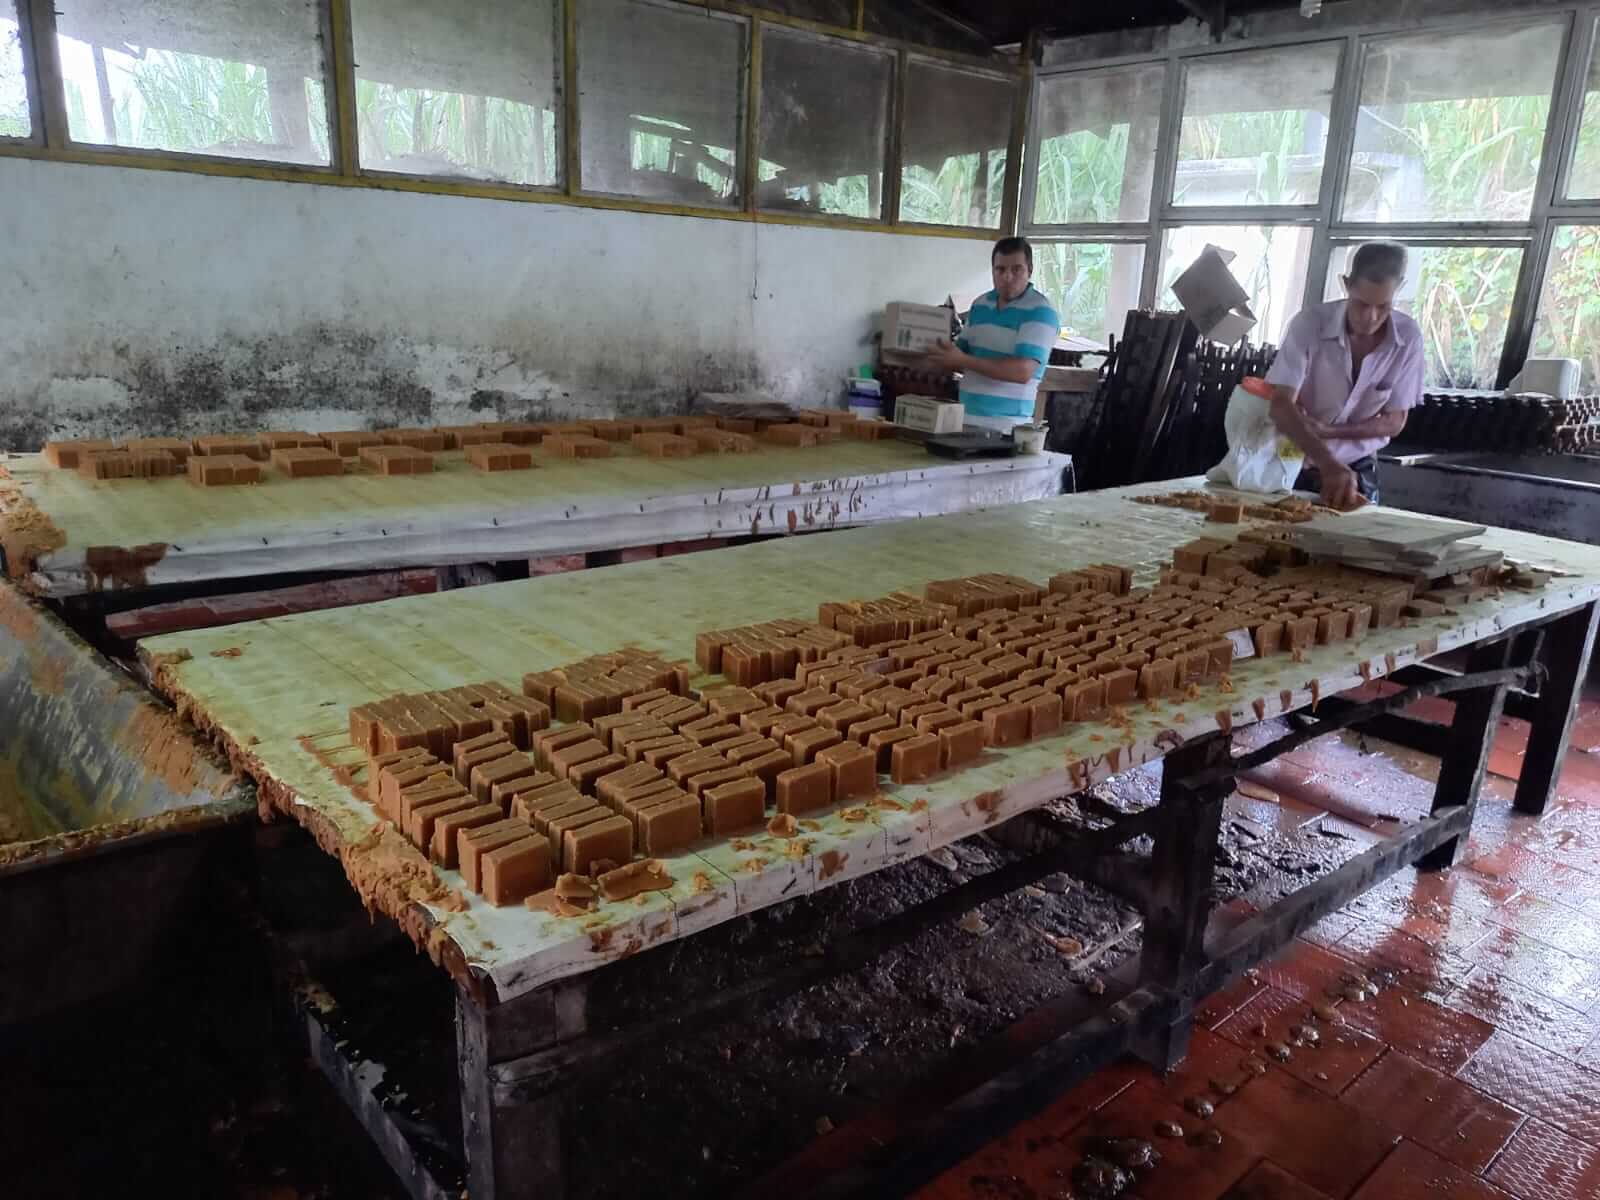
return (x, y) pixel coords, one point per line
(348, 443)
(499, 456)
(377, 764)
(503, 793)
(609, 840)
(563, 760)
(734, 806)
(702, 782)
(483, 778)
(768, 767)
(697, 762)
(669, 825)
(538, 805)
(396, 777)
(803, 746)
(960, 744)
(426, 791)
(288, 439)
(750, 750)
(1044, 714)
(230, 443)
(473, 841)
(853, 767)
(840, 716)
(548, 741)
(397, 460)
(611, 787)
(576, 445)
(625, 739)
(420, 824)
(665, 445)
(709, 731)
(178, 448)
(1157, 678)
(470, 752)
(1122, 685)
(914, 759)
(1006, 725)
(442, 850)
(585, 776)
(511, 873)
(429, 440)
(883, 742)
(220, 470)
(1084, 701)
(67, 455)
(659, 752)
(556, 827)
(935, 721)
(793, 435)
(804, 789)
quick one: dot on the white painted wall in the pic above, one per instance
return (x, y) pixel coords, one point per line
(155, 302)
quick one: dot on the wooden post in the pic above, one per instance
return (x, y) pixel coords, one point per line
(1182, 867)
(1568, 643)
(1466, 754)
(513, 1151)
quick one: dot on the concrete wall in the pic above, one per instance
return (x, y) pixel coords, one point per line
(152, 302)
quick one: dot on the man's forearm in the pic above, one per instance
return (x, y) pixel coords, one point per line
(1007, 370)
(1384, 425)
(1292, 423)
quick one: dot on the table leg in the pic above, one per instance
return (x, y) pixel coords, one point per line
(1178, 908)
(513, 1151)
(1568, 642)
(1469, 740)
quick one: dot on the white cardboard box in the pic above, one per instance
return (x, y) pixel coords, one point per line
(928, 415)
(914, 328)
(1212, 298)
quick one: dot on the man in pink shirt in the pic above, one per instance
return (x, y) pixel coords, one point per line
(1345, 377)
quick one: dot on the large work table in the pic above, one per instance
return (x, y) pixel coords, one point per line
(277, 692)
(64, 536)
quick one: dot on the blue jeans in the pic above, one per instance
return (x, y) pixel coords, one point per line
(1366, 470)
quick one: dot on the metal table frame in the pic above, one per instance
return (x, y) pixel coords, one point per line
(515, 1058)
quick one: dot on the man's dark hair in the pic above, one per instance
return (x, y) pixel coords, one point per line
(1378, 262)
(1011, 245)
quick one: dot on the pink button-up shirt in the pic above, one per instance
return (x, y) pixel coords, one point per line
(1315, 360)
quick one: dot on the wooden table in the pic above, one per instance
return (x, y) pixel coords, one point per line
(277, 692)
(121, 534)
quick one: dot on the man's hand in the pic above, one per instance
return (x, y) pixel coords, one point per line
(1339, 487)
(945, 357)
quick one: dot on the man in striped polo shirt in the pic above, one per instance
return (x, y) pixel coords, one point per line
(1003, 351)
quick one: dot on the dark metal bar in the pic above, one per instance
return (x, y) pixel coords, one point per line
(1182, 868)
(1569, 642)
(403, 1143)
(1429, 737)
(1472, 731)
(539, 1072)
(512, 1150)
(1363, 712)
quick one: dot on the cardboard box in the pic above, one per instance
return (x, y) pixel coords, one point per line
(1212, 298)
(928, 415)
(914, 328)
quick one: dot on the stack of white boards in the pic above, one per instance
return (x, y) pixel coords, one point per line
(1395, 542)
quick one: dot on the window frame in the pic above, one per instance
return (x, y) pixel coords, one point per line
(559, 91)
(47, 109)
(1579, 46)
(889, 191)
(30, 79)
(902, 83)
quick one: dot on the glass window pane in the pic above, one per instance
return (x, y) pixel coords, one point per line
(954, 151)
(1097, 145)
(1568, 321)
(1461, 297)
(1092, 284)
(1270, 264)
(240, 81)
(1451, 126)
(824, 125)
(15, 121)
(661, 92)
(1584, 182)
(466, 91)
(1255, 126)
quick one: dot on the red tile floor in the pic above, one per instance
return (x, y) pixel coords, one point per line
(1472, 1071)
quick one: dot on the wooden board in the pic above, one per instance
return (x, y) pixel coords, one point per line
(458, 514)
(283, 697)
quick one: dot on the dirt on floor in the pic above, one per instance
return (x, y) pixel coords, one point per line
(195, 1085)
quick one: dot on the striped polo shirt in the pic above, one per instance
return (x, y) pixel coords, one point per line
(1025, 328)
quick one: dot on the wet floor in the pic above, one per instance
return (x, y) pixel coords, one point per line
(1440, 1036)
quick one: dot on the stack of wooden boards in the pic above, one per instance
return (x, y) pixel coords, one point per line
(1395, 542)
(220, 459)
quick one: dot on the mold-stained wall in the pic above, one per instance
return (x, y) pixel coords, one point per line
(150, 302)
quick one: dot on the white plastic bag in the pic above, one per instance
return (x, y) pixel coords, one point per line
(1259, 458)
